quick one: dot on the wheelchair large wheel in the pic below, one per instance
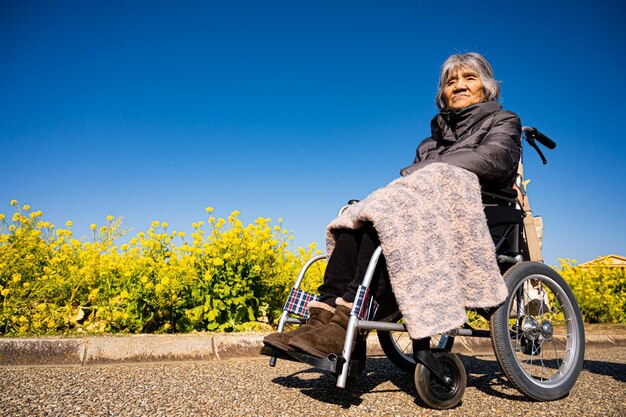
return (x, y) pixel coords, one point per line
(537, 334)
(435, 393)
(399, 348)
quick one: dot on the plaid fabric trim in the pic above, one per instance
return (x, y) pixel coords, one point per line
(364, 305)
(298, 302)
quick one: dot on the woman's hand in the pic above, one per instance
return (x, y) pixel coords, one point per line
(414, 167)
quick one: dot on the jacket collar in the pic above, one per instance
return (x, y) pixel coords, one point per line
(450, 125)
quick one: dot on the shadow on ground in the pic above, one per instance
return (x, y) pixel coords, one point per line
(321, 386)
(483, 374)
(612, 369)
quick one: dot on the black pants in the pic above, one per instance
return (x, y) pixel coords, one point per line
(347, 265)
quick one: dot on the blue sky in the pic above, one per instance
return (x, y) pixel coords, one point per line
(154, 110)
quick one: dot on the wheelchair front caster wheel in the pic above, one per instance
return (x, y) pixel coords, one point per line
(434, 392)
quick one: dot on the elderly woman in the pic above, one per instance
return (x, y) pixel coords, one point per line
(472, 132)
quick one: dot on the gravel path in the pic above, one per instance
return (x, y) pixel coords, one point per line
(249, 387)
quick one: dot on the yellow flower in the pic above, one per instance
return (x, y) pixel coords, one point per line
(218, 262)
(17, 277)
(164, 225)
(208, 209)
(155, 223)
(25, 207)
(12, 228)
(235, 213)
(14, 202)
(109, 218)
(93, 226)
(1, 216)
(68, 223)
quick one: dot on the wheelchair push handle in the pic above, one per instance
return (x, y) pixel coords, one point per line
(541, 138)
(531, 134)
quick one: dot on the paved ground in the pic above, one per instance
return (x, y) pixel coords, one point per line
(247, 386)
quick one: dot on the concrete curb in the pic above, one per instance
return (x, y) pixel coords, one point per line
(202, 346)
(134, 348)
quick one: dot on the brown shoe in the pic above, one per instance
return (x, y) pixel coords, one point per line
(319, 315)
(327, 339)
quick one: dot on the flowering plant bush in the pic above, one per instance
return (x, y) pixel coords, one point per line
(599, 289)
(224, 277)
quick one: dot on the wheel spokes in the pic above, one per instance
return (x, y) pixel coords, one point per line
(540, 351)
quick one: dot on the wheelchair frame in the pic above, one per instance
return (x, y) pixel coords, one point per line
(503, 209)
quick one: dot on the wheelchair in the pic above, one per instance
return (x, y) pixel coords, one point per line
(537, 334)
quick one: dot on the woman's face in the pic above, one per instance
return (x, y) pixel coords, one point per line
(463, 88)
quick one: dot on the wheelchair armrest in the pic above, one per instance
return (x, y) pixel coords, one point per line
(346, 206)
(506, 194)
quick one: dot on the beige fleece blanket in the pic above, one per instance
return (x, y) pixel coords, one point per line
(436, 243)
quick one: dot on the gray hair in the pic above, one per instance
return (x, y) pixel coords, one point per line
(478, 63)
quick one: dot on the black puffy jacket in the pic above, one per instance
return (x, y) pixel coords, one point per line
(481, 138)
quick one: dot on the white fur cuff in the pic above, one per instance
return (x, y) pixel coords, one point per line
(323, 306)
(341, 302)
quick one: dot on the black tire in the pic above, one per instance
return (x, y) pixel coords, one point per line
(540, 346)
(399, 348)
(435, 393)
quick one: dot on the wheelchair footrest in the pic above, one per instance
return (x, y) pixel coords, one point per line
(332, 363)
(278, 354)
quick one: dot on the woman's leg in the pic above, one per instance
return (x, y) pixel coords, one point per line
(330, 338)
(379, 286)
(340, 271)
(342, 266)
(369, 243)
